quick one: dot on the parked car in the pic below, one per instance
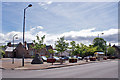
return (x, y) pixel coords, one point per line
(69, 57)
(56, 58)
(44, 58)
(74, 56)
(64, 57)
(86, 58)
(79, 58)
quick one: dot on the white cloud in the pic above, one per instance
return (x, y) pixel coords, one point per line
(38, 27)
(49, 2)
(82, 36)
(45, 4)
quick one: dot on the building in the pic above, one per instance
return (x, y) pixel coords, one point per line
(28, 51)
(117, 48)
(65, 53)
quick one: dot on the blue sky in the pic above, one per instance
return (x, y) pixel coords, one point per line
(58, 18)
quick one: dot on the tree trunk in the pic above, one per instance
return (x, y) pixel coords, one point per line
(61, 61)
(52, 59)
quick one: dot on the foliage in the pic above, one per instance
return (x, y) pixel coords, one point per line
(110, 51)
(47, 56)
(100, 43)
(83, 50)
(80, 49)
(32, 56)
(2, 52)
(38, 45)
(51, 51)
(91, 50)
(61, 45)
(73, 46)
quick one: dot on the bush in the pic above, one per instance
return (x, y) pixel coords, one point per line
(51, 60)
(73, 60)
(92, 59)
(32, 56)
(104, 58)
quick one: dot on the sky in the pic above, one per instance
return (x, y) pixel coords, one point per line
(78, 21)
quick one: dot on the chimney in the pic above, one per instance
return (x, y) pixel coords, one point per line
(109, 44)
(9, 44)
(26, 45)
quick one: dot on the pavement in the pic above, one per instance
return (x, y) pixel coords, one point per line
(7, 64)
(105, 69)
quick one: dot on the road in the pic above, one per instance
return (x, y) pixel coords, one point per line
(107, 69)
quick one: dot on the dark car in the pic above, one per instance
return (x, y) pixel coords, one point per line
(64, 57)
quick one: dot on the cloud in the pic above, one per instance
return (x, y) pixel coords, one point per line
(38, 27)
(84, 36)
(49, 2)
(45, 4)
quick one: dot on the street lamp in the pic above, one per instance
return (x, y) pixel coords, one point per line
(13, 48)
(99, 35)
(30, 5)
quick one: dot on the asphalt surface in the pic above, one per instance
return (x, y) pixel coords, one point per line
(107, 69)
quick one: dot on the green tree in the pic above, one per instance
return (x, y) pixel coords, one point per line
(100, 43)
(61, 45)
(91, 50)
(38, 44)
(51, 51)
(81, 50)
(2, 52)
(110, 51)
(77, 50)
(73, 46)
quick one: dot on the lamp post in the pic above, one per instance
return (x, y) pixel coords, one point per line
(30, 5)
(99, 35)
(99, 38)
(13, 48)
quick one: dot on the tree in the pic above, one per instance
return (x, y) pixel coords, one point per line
(100, 43)
(91, 50)
(73, 46)
(2, 52)
(52, 52)
(110, 51)
(38, 44)
(81, 50)
(61, 45)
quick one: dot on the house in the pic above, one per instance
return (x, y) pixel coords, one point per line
(9, 50)
(117, 48)
(65, 53)
(19, 50)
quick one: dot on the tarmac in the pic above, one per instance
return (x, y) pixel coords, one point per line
(7, 64)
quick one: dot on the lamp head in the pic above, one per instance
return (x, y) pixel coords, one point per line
(16, 37)
(30, 5)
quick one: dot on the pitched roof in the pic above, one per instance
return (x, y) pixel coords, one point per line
(9, 49)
